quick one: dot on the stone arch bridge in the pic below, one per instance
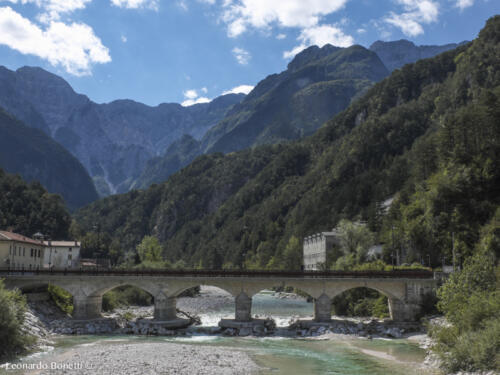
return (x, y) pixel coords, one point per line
(404, 289)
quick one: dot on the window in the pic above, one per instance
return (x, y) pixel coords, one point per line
(31, 253)
(39, 252)
(24, 251)
(70, 249)
(69, 256)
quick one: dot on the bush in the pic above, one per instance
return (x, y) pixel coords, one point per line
(12, 307)
(61, 298)
(470, 300)
(361, 302)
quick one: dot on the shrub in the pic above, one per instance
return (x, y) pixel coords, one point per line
(12, 307)
(470, 300)
(61, 298)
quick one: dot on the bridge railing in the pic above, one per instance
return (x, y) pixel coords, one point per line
(411, 274)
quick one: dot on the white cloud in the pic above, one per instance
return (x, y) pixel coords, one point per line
(190, 102)
(75, 47)
(361, 30)
(240, 15)
(190, 94)
(281, 36)
(124, 39)
(183, 5)
(242, 89)
(320, 35)
(417, 12)
(53, 9)
(136, 4)
(462, 4)
(191, 97)
(241, 55)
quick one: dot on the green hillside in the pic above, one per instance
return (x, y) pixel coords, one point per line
(36, 157)
(29, 208)
(428, 135)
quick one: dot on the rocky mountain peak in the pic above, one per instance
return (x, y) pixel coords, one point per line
(310, 54)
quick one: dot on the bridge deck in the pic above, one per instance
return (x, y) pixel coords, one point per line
(396, 274)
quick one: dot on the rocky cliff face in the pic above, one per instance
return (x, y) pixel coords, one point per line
(113, 141)
(401, 52)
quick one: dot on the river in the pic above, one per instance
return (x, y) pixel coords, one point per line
(326, 354)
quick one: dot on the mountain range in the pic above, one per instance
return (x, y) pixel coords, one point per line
(113, 141)
(125, 145)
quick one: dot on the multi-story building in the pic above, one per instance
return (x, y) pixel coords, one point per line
(316, 249)
(20, 252)
(61, 254)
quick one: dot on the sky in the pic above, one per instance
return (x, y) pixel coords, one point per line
(191, 51)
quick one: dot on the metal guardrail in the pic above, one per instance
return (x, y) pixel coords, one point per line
(409, 274)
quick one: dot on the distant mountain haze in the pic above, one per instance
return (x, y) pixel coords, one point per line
(398, 53)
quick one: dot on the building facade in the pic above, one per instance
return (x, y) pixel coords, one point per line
(24, 253)
(61, 254)
(316, 248)
(20, 252)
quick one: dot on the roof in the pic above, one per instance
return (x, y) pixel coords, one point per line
(62, 243)
(11, 236)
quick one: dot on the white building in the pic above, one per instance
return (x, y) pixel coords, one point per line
(61, 254)
(316, 248)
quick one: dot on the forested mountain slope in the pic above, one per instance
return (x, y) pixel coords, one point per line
(29, 208)
(37, 157)
(428, 135)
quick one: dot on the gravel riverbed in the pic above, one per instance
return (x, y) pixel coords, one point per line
(147, 358)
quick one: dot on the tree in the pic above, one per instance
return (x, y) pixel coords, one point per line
(292, 255)
(149, 250)
(355, 239)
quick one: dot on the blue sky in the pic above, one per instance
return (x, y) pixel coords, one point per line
(189, 51)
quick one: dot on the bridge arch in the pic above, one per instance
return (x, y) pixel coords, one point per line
(150, 288)
(179, 288)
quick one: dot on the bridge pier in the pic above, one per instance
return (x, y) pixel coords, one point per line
(87, 307)
(243, 308)
(165, 308)
(401, 311)
(323, 308)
